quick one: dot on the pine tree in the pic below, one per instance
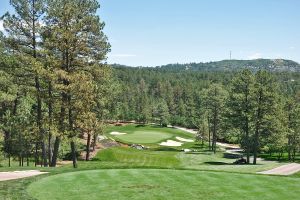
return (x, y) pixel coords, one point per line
(24, 31)
(214, 99)
(75, 39)
(241, 107)
(266, 110)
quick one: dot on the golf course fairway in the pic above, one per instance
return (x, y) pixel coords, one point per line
(136, 184)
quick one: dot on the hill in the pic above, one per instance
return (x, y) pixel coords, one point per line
(274, 65)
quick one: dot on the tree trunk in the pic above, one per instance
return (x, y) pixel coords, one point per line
(22, 158)
(95, 141)
(9, 160)
(88, 147)
(73, 150)
(50, 112)
(215, 130)
(49, 149)
(27, 160)
(44, 153)
(247, 141)
(247, 127)
(55, 151)
(20, 161)
(38, 91)
(257, 127)
(36, 156)
(209, 135)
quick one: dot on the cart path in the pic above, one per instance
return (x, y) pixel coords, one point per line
(287, 169)
(5, 176)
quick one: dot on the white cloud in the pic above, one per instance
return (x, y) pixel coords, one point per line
(122, 55)
(292, 47)
(1, 25)
(255, 56)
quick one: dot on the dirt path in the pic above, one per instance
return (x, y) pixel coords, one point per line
(4, 176)
(287, 169)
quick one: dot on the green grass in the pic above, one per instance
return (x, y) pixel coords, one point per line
(163, 184)
(145, 137)
(146, 134)
(144, 158)
(151, 174)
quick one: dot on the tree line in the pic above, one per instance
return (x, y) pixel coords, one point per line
(53, 78)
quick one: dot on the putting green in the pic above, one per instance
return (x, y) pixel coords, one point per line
(152, 184)
(145, 137)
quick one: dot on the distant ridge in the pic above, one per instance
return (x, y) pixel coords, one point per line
(274, 65)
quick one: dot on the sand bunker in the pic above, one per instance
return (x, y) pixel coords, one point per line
(117, 133)
(184, 140)
(4, 176)
(171, 143)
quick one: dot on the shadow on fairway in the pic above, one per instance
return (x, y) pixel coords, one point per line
(166, 149)
(140, 125)
(231, 156)
(218, 163)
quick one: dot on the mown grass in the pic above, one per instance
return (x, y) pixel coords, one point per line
(145, 137)
(146, 158)
(163, 184)
(157, 157)
(146, 134)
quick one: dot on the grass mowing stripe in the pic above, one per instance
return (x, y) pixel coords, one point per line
(166, 184)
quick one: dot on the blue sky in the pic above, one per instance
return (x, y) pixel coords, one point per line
(156, 32)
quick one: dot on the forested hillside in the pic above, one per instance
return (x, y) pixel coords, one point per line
(274, 65)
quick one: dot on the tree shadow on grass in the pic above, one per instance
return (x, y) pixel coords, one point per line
(166, 149)
(218, 163)
(140, 125)
(231, 156)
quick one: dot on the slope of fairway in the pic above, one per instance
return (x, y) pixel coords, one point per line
(163, 184)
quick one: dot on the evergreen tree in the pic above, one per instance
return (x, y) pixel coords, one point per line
(241, 107)
(77, 42)
(266, 119)
(215, 98)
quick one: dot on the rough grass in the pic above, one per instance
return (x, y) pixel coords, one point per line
(163, 184)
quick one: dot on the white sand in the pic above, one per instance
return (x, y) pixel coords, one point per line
(171, 143)
(4, 176)
(184, 139)
(117, 133)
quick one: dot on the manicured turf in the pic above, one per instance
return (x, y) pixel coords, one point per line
(145, 158)
(163, 184)
(150, 174)
(151, 135)
(145, 137)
